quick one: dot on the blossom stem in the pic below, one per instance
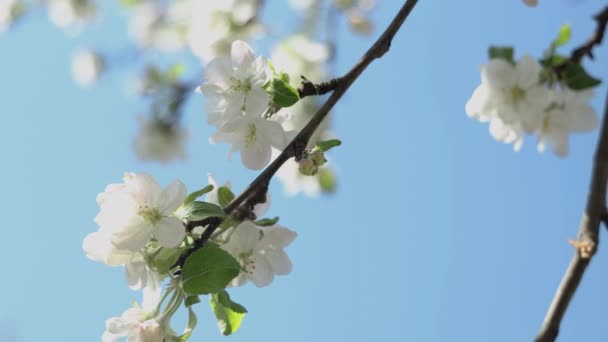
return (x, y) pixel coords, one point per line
(256, 191)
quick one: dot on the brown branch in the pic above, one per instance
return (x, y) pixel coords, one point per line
(307, 88)
(587, 239)
(587, 48)
(256, 191)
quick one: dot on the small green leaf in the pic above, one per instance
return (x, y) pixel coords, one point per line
(554, 60)
(283, 94)
(327, 180)
(176, 71)
(193, 196)
(267, 222)
(577, 78)
(209, 270)
(224, 196)
(324, 146)
(191, 300)
(199, 210)
(229, 314)
(563, 36)
(502, 52)
(284, 77)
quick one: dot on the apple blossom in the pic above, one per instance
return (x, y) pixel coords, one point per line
(254, 137)
(71, 13)
(260, 252)
(235, 84)
(571, 112)
(136, 210)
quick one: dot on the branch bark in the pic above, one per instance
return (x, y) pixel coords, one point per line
(587, 239)
(256, 191)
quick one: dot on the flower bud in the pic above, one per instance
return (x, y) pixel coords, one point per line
(308, 167)
(318, 158)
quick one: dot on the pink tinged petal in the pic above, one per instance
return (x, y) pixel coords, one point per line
(132, 237)
(172, 197)
(527, 70)
(279, 261)
(498, 74)
(261, 271)
(218, 72)
(242, 57)
(256, 155)
(170, 232)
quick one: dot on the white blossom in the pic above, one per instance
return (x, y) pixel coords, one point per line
(87, 66)
(138, 209)
(260, 252)
(234, 85)
(159, 141)
(214, 25)
(570, 112)
(511, 98)
(136, 324)
(254, 137)
(71, 13)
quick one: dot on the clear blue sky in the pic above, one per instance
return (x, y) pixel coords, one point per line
(437, 233)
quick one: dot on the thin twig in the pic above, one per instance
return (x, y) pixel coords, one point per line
(587, 239)
(256, 191)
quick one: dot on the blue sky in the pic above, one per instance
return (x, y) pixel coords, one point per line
(437, 232)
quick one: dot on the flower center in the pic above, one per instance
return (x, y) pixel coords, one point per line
(240, 85)
(516, 94)
(151, 215)
(251, 135)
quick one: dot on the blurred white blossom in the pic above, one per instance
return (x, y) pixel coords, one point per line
(160, 142)
(87, 66)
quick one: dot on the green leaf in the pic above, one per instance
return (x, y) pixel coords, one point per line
(176, 71)
(324, 146)
(165, 258)
(563, 36)
(284, 77)
(502, 52)
(199, 210)
(327, 180)
(229, 314)
(554, 60)
(193, 196)
(209, 270)
(577, 78)
(191, 300)
(224, 196)
(283, 94)
(267, 222)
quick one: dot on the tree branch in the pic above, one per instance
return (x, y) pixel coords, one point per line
(256, 191)
(587, 239)
(587, 48)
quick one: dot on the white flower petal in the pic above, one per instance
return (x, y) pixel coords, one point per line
(170, 232)
(262, 274)
(279, 261)
(172, 197)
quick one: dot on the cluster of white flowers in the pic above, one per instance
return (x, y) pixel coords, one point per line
(515, 101)
(153, 25)
(214, 25)
(138, 218)
(237, 103)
